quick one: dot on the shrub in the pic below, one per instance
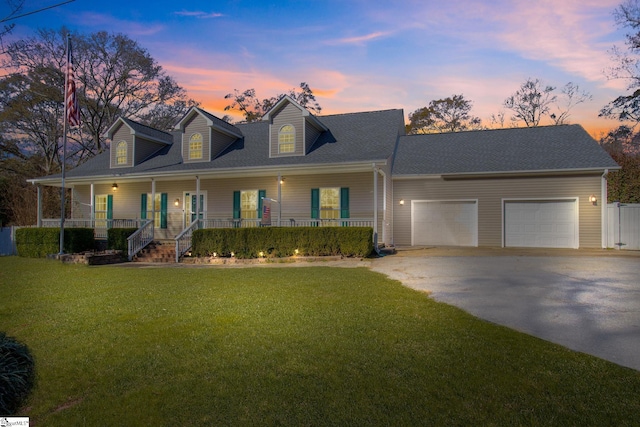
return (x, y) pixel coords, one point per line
(17, 374)
(283, 241)
(39, 242)
(117, 238)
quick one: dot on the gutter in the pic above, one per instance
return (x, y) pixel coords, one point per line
(310, 169)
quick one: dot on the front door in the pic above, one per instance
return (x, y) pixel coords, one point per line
(190, 203)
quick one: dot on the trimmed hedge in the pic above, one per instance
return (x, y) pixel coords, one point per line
(17, 374)
(283, 241)
(39, 242)
(117, 238)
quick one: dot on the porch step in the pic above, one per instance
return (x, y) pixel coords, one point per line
(157, 251)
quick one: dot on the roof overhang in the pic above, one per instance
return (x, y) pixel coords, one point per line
(506, 174)
(311, 169)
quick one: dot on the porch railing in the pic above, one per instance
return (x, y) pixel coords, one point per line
(288, 222)
(140, 239)
(183, 240)
(100, 226)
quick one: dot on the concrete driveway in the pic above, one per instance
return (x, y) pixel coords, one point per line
(588, 301)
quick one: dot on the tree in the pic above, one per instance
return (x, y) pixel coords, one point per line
(627, 67)
(531, 102)
(452, 114)
(253, 108)
(571, 95)
(114, 76)
(624, 147)
(15, 6)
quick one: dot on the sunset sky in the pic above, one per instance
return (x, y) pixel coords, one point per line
(365, 55)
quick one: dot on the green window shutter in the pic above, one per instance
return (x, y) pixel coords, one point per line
(194, 202)
(201, 206)
(344, 202)
(236, 205)
(315, 203)
(143, 206)
(109, 209)
(163, 210)
(261, 194)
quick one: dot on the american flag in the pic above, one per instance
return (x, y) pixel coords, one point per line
(71, 100)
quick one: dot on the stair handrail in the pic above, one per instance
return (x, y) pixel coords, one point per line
(140, 239)
(183, 240)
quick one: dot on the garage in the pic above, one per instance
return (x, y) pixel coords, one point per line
(444, 223)
(541, 223)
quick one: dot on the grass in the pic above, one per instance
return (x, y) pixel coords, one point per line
(285, 346)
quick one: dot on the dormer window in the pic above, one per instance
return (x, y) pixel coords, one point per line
(121, 153)
(195, 146)
(286, 139)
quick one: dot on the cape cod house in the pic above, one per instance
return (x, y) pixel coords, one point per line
(540, 187)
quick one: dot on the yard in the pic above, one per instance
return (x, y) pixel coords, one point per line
(285, 346)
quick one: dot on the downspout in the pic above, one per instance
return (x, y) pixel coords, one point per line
(604, 210)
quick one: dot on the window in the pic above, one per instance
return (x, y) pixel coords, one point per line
(121, 153)
(286, 139)
(329, 203)
(195, 146)
(247, 204)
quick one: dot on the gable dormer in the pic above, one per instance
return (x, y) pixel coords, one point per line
(132, 142)
(204, 136)
(292, 128)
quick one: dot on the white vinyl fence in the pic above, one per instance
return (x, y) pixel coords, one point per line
(623, 226)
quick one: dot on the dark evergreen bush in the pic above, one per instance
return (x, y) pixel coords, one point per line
(283, 241)
(17, 374)
(39, 242)
(117, 238)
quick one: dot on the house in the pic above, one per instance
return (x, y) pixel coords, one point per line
(541, 187)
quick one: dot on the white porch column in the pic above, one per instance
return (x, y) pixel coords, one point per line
(375, 205)
(385, 218)
(39, 214)
(92, 204)
(198, 207)
(279, 198)
(153, 201)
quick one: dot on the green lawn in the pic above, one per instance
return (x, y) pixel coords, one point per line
(285, 346)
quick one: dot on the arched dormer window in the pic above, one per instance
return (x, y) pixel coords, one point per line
(286, 139)
(121, 153)
(195, 146)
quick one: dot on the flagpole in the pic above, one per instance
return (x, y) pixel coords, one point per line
(64, 154)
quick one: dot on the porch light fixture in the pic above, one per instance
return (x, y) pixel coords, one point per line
(176, 202)
(402, 202)
(593, 199)
(282, 180)
(114, 186)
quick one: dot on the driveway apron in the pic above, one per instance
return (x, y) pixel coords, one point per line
(588, 304)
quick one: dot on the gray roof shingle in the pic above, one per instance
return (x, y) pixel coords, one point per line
(352, 137)
(144, 130)
(545, 148)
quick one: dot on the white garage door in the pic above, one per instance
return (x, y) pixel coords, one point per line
(444, 223)
(541, 224)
